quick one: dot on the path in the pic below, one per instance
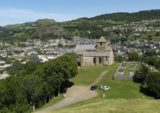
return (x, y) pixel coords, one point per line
(99, 78)
(74, 95)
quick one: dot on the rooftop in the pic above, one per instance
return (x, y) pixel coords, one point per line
(102, 39)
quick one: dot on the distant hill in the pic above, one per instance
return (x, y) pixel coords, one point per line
(41, 29)
(85, 27)
(129, 17)
(93, 27)
(125, 16)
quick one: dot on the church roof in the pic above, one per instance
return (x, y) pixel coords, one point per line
(85, 47)
(93, 54)
(102, 39)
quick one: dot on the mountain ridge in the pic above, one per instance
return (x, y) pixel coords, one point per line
(49, 28)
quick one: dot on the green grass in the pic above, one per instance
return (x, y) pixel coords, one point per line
(123, 97)
(145, 36)
(87, 75)
(98, 105)
(119, 89)
(52, 102)
(127, 70)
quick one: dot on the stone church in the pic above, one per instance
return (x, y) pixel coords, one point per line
(99, 54)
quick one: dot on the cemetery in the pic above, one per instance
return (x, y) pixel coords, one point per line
(125, 71)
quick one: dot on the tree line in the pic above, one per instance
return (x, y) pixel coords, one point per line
(35, 84)
(150, 59)
(150, 81)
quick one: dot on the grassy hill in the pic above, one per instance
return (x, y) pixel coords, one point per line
(41, 29)
(123, 96)
(93, 27)
(87, 75)
(99, 105)
(129, 17)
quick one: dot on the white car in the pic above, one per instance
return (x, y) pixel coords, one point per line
(105, 88)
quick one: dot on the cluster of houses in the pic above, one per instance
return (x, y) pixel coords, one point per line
(89, 51)
(49, 49)
(142, 47)
(136, 27)
(37, 50)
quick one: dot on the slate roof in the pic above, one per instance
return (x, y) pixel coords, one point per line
(93, 54)
(85, 47)
(102, 39)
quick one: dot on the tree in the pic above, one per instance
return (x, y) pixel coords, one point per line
(140, 75)
(152, 83)
(133, 56)
(35, 84)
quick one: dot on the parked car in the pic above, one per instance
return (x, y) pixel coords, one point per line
(104, 87)
(93, 87)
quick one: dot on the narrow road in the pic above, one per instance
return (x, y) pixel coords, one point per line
(74, 95)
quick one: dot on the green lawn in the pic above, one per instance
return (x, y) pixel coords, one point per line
(87, 75)
(127, 70)
(123, 97)
(52, 102)
(123, 89)
(98, 105)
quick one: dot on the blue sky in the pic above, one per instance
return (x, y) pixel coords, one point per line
(19, 11)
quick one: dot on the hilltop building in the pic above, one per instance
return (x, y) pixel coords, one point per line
(99, 54)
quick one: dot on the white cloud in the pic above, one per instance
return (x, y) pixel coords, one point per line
(28, 15)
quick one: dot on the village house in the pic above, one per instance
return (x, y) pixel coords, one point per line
(99, 54)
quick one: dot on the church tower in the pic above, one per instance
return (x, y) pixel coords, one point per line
(101, 45)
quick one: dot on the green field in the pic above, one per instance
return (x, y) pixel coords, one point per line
(98, 105)
(145, 36)
(120, 89)
(127, 70)
(123, 96)
(87, 75)
(52, 102)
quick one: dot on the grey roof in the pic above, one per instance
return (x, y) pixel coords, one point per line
(85, 47)
(102, 39)
(93, 54)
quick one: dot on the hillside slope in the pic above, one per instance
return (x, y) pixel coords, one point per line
(84, 27)
(41, 29)
(93, 27)
(113, 106)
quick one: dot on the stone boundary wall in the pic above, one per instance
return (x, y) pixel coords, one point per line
(119, 75)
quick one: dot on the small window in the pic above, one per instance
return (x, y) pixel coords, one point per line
(100, 43)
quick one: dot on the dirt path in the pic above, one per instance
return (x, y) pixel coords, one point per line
(99, 78)
(74, 95)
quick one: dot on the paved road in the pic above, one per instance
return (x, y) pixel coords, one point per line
(74, 95)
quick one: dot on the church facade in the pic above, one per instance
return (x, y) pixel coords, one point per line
(99, 54)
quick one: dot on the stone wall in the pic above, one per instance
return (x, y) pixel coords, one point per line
(100, 47)
(88, 61)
